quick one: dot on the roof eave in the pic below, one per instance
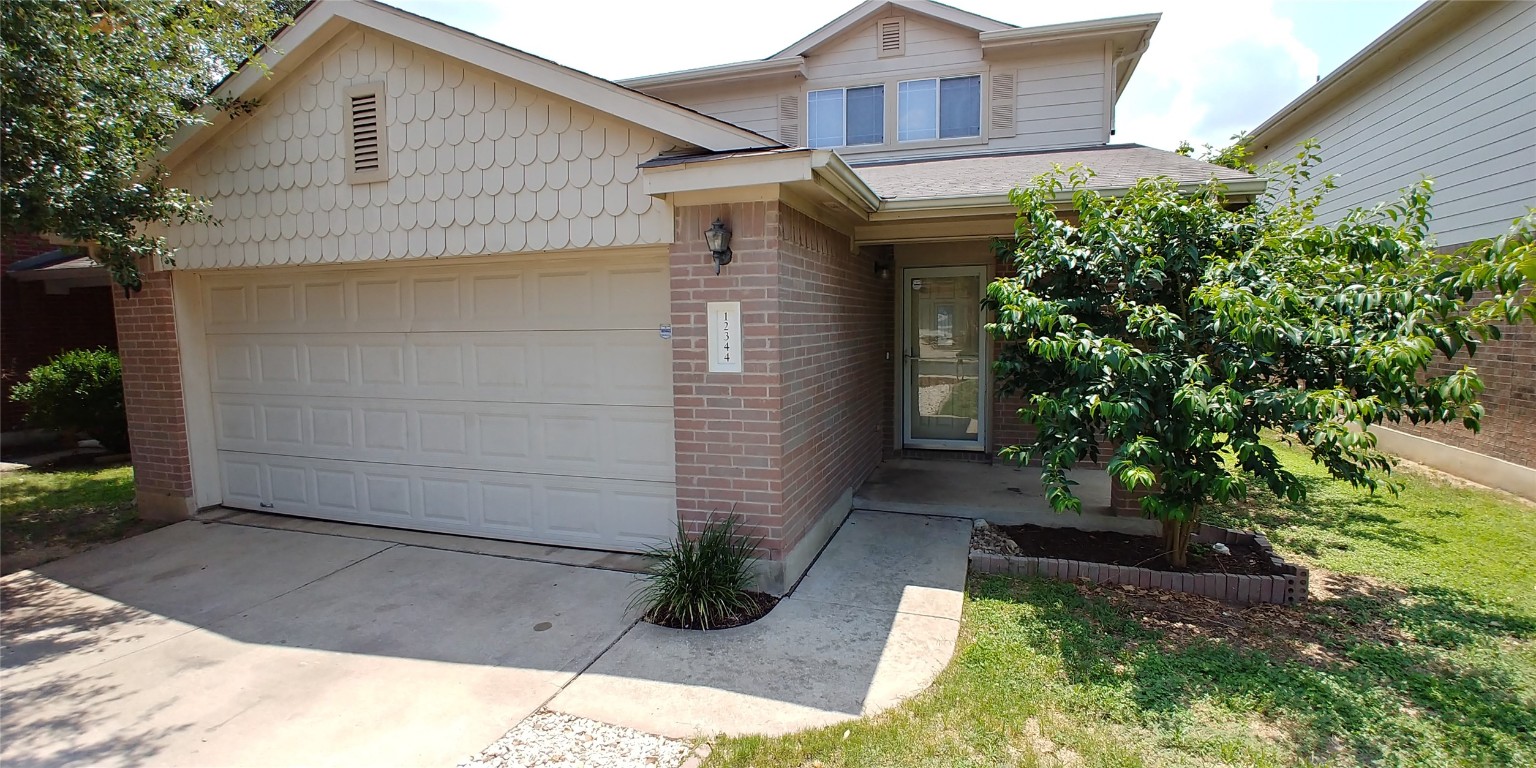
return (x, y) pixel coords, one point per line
(899, 208)
(319, 23)
(1402, 35)
(1076, 30)
(724, 73)
(859, 13)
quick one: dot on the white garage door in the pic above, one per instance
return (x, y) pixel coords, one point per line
(526, 400)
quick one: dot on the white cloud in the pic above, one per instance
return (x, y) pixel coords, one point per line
(1209, 75)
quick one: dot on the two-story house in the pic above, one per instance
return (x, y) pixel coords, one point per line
(459, 288)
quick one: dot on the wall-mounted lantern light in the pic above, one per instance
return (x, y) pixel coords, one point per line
(718, 238)
(885, 258)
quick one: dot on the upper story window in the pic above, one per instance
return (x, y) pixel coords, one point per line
(939, 108)
(845, 117)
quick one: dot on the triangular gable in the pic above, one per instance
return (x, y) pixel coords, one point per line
(868, 10)
(319, 23)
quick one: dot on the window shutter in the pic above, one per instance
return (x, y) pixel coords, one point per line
(1002, 121)
(367, 148)
(890, 36)
(789, 120)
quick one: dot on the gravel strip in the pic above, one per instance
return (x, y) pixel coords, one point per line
(554, 739)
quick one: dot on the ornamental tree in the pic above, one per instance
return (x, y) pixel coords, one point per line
(1183, 329)
(93, 92)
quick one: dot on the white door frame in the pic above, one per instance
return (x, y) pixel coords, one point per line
(984, 361)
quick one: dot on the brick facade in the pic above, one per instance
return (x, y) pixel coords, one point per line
(781, 442)
(834, 317)
(1508, 369)
(152, 389)
(37, 325)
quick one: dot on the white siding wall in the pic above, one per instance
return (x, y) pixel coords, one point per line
(1462, 112)
(1061, 89)
(476, 166)
(1060, 97)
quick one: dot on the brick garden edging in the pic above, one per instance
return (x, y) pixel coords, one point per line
(1287, 588)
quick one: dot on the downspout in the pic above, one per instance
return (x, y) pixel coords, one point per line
(1114, 78)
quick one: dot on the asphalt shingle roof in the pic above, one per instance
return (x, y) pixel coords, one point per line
(1117, 166)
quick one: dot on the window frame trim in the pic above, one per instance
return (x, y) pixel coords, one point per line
(938, 111)
(884, 133)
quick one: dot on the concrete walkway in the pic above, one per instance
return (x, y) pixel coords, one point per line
(214, 643)
(872, 623)
(207, 644)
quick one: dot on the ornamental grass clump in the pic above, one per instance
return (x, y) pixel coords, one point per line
(700, 582)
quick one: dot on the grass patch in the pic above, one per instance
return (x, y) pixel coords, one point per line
(962, 399)
(67, 508)
(1419, 648)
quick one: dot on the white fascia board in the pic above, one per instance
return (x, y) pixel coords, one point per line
(897, 209)
(1348, 77)
(728, 173)
(322, 21)
(724, 73)
(1076, 30)
(862, 12)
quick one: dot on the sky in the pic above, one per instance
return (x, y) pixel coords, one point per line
(1214, 67)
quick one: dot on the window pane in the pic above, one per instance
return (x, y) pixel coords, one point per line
(866, 115)
(826, 118)
(917, 101)
(960, 107)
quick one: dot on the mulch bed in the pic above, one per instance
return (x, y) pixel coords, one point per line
(761, 604)
(1126, 549)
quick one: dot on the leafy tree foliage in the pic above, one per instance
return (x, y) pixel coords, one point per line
(1236, 155)
(1184, 329)
(93, 92)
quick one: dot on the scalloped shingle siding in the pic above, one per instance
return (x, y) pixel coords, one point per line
(477, 165)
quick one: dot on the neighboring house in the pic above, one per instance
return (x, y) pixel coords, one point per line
(51, 300)
(459, 288)
(1450, 93)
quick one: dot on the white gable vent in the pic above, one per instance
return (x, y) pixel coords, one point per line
(891, 36)
(367, 150)
(789, 120)
(1002, 121)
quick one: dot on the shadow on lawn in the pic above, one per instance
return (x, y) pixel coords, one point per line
(1369, 673)
(1329, 521)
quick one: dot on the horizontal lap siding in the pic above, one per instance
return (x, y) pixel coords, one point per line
(1460, 112)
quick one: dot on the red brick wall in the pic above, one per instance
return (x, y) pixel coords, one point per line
(780, 442)
(835, 317)
(157, 425)
(728, 433)
(36, 325)
(1508, 369)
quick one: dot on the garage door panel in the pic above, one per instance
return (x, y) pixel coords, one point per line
(618, 367)
(621, 291)
(621, 442)
(590, 512)
(525, 399)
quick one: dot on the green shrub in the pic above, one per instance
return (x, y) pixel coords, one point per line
(79, 391)
(699, 582)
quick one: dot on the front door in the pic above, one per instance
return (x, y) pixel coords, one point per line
(943, 346)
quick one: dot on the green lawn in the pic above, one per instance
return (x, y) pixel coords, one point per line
(40, 509)
(1419, 648)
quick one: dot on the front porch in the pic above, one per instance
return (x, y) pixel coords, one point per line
(997, 492)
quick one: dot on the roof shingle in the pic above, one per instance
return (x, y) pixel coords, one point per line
(1116, 166)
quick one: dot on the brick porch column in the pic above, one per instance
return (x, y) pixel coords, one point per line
(729, 425)
(152, 392)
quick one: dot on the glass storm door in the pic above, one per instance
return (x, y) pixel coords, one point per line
(944, 385)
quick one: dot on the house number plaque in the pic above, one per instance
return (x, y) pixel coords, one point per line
(725, 336)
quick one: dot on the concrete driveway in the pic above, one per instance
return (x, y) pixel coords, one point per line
(208, 644)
